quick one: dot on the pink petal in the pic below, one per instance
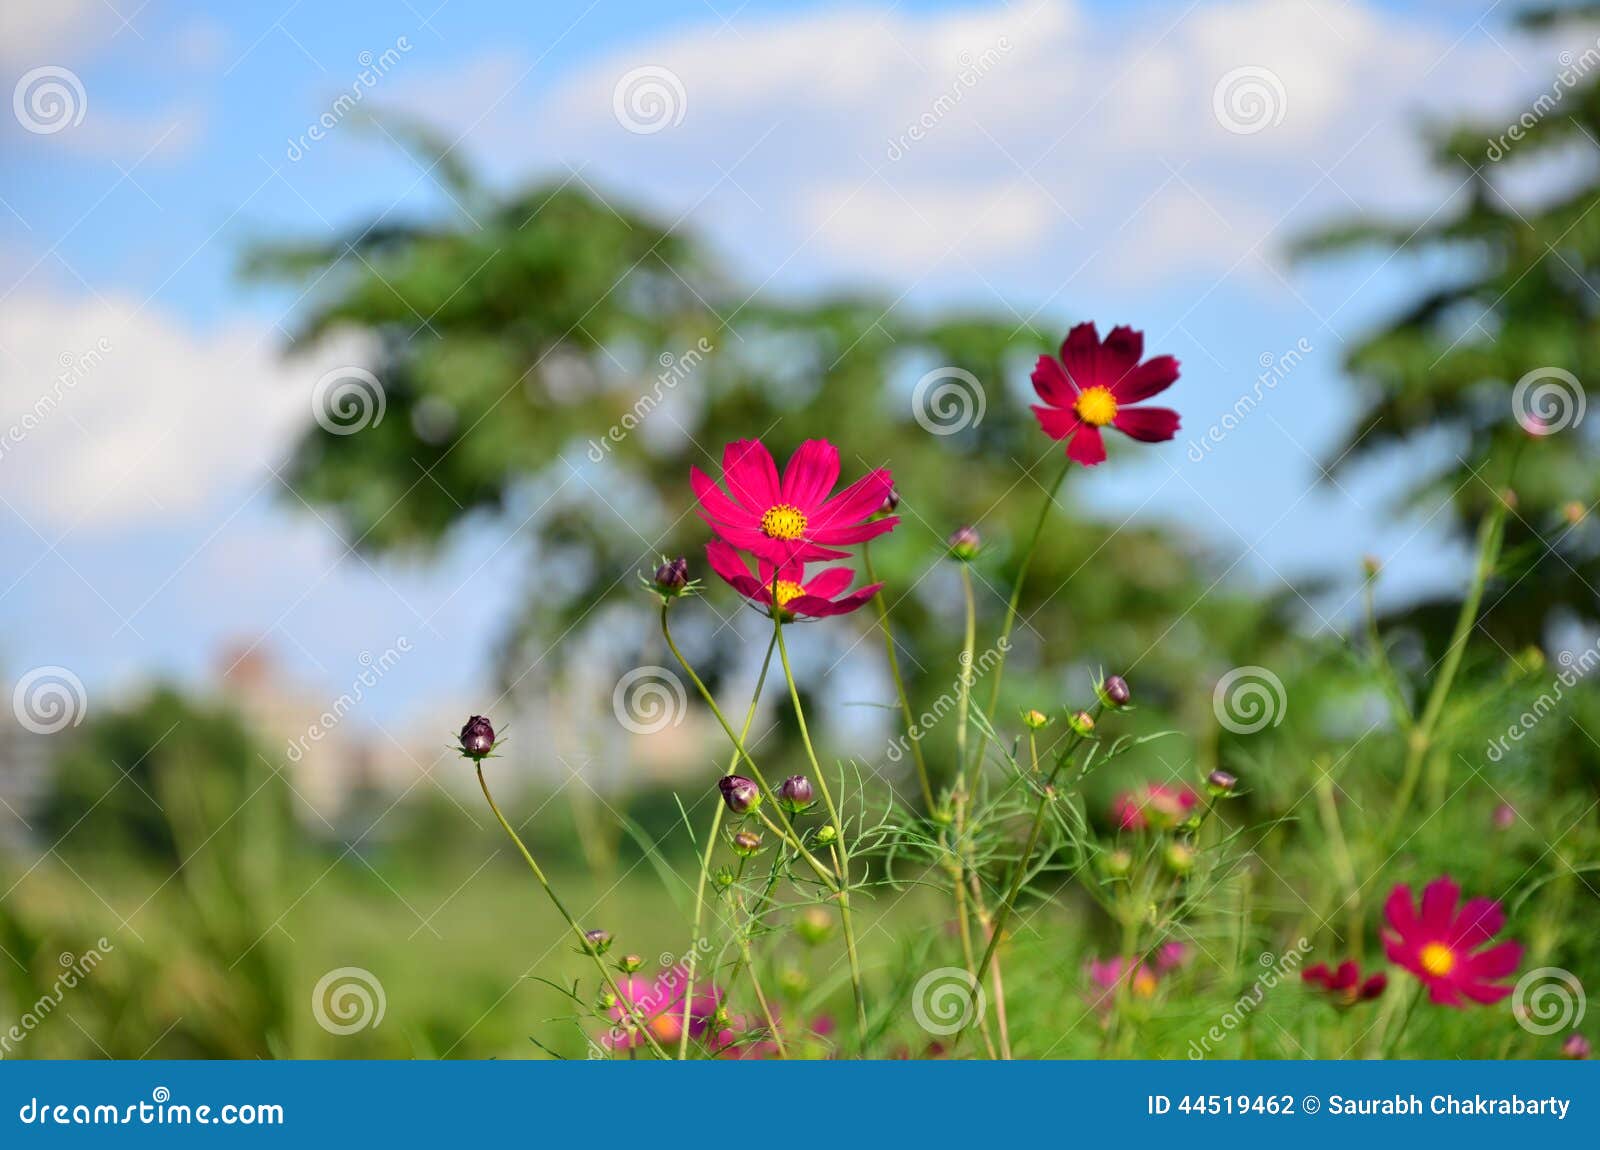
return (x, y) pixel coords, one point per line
(750, 474)
(813, 470)
(1056, 422)
(714, 502)
(1146, 380)
(1484, 992)
(1479, 921)
(727, 563)
(1444, 994)
(1080, 353)
(861, 499)
(826, 584)
(1439, 900)
(1051, 382)
(822, 608)
(1121, 353)
(1496, 962)
(855, 533)
(1401, 910)
(1147, 424)
(1086, 447)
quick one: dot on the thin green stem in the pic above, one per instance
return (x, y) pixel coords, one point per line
(583, 943)
(880, 600)
(711, 846)
(969, 646)
(839, 833)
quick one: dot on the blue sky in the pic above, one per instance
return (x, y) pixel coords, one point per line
(1085, 174)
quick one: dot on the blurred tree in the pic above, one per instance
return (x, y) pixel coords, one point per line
(1521, 304)
(560, 360)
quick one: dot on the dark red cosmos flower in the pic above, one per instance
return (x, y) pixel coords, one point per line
(816, 597)
(792, 520)
(1439, 945)
(1095, 384)
(1346, 984)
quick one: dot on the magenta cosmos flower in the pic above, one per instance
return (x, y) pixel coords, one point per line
(1094, 385)
(1439, 944)
(791, 520)
(1345, 985)
(658, 1004)
(816, 597)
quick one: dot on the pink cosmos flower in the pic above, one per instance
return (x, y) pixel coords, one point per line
(1143, 978)
(1094, 385)
(1440, 945)
(1155, 804)
(791, 520)
(1346, 984)
(816, 597)
(659, 1004)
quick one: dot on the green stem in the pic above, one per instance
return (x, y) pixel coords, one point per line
(583, 942)
(968, 651)
(1003, 644)
(880, 600)
(711, 846)
(839, 831)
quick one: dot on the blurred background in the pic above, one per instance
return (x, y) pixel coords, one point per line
(353, 359)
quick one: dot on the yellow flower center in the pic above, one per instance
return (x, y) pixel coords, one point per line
(1096, 406)
(666, 1026)
(1144, 984)
(1437, 959)
(783, 521)
(787, 590)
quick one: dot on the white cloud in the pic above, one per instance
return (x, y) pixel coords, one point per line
(113, 414)
(868, 137)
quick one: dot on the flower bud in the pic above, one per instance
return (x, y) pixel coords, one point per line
(795, 794)
(629, 963)
(1033, 720)
(477, 737)
(964, 543)
(814, 926)
(826, 834)
(1508, 496)
(792, 982)
(1115, 691)
(723, 877)
(596, 941)
(1081, 722)
(891, 502)
(1371, 565)
(1505, 817)
(1117, 863)
(739, 793)
(673, 575)
(1219, 783)
(1576, 1046)
(746, 843)
(1179, 858)
(606, 1001)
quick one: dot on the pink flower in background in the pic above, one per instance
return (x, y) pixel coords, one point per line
(1439, 943)
(1094, 385)
(1155, 804)
(659, 1004)
(1346, 984)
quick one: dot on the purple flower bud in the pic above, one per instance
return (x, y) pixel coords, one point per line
(597, 941)
(964, 543)
(477, 737)
(891, 502)
(673, 575)
(796, 794)
(1116, 691)
(741, 794)
(1221, 783)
